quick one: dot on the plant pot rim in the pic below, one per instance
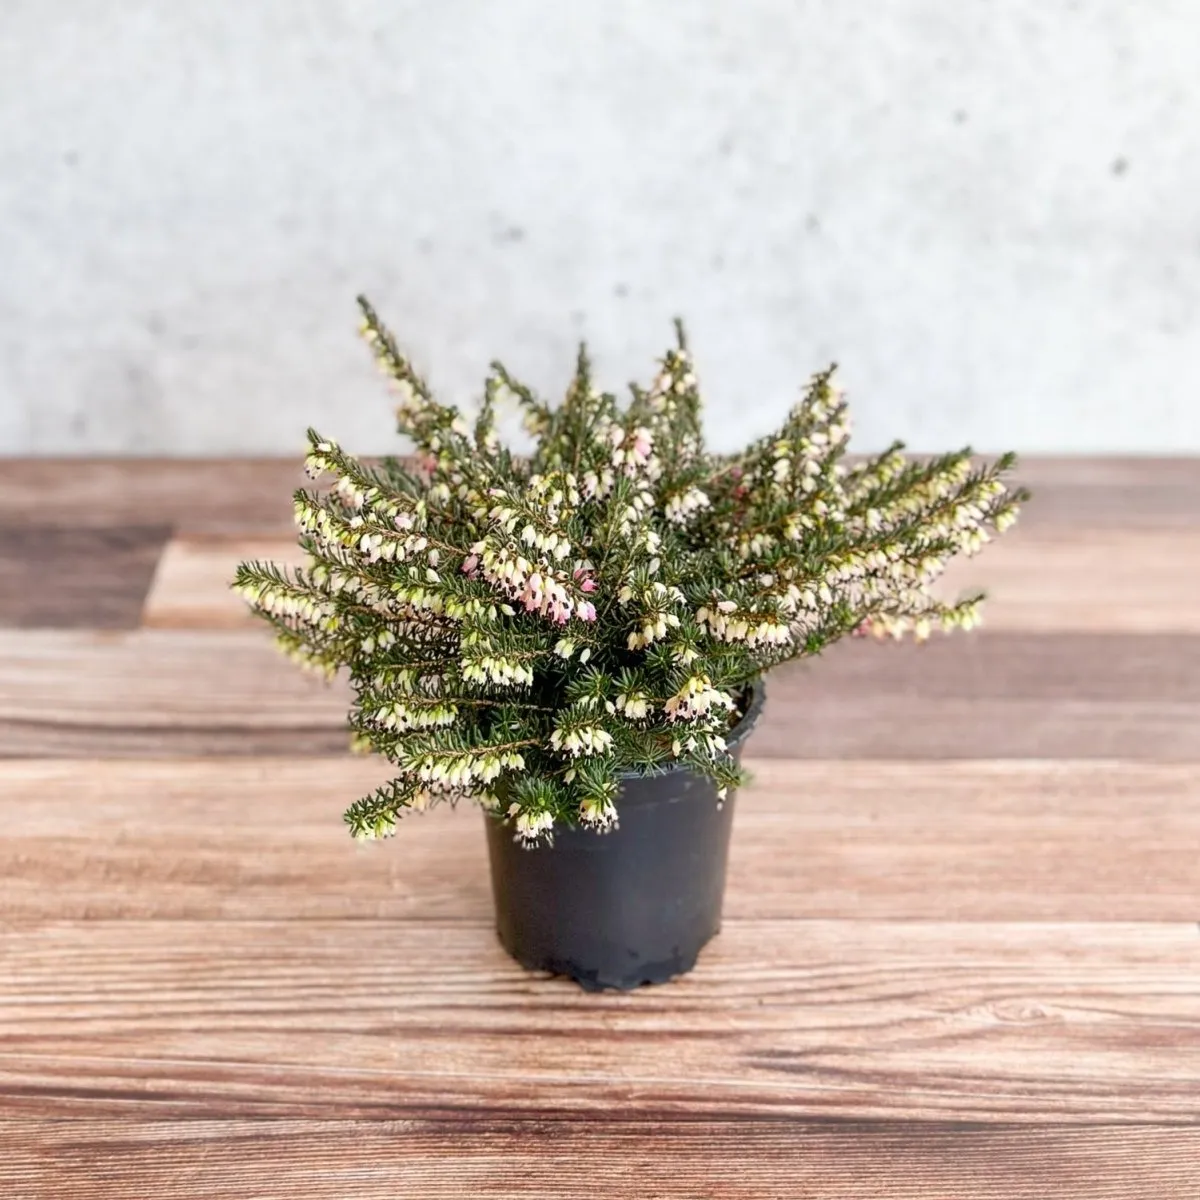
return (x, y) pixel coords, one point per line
(737, 735)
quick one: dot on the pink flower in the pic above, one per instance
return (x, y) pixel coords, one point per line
(470, 564)
(588, 585)
(531, 593)
(586, 611)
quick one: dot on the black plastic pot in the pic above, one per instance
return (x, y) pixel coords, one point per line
(633, 906)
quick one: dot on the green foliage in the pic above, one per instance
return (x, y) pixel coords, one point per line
(520, 631)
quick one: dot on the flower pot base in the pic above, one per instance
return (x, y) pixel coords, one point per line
(594, 977)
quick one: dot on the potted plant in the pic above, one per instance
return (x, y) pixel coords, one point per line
(577, 639)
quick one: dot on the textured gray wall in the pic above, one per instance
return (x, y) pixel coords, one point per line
(989, 213)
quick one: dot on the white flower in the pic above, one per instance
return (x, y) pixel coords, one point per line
(595, 486)
(495, 669)
(598, 813)
(581, 740)
(726, 625)
(633, 705)
(348, 491)
(531, 826)
(680, 506)
(695, 698)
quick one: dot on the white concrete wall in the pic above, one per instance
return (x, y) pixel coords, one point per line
(988, 212)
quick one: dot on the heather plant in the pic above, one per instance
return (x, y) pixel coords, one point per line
(522, 630)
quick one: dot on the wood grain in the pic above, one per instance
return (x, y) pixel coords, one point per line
(76, 578)
(1109, 581)
(191, 583)
(960, 951)
(399, 1019)
(992, 695)
(156, 693)
(193, 494)
(499, 1155)
(262, 838)
(240, 494)
(1053, 581)
(1087, 493)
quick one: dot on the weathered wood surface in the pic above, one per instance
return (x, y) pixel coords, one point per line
(76, 577)
(499, 1156)
(960, 955)
(974, 1021)
(191, 588)
(246, 838)
(148, 692)
(189, 494)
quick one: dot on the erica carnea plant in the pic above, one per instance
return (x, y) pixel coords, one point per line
(520, 630)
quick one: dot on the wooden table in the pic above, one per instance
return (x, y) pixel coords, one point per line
(961, 955)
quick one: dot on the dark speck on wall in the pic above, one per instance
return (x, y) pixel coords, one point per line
(510, 233)
(71, 158)
(960, 116)
(1119, 166)
(812, 223)
(621, 291)
(718, 262)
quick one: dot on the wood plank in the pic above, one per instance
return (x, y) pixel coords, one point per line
(649, 1158)
(191, 584)
(1086, 580)
(988, 695)
(239, 494)
(857, 1019)
(1052, 581)
(236, 839)
(154, 693)
(76, 577)
(1133, 473)
(1089, 492)
(196, 494)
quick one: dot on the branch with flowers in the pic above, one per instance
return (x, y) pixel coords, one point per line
(521, 631)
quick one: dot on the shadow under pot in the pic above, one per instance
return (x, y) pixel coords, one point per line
(629, 907)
